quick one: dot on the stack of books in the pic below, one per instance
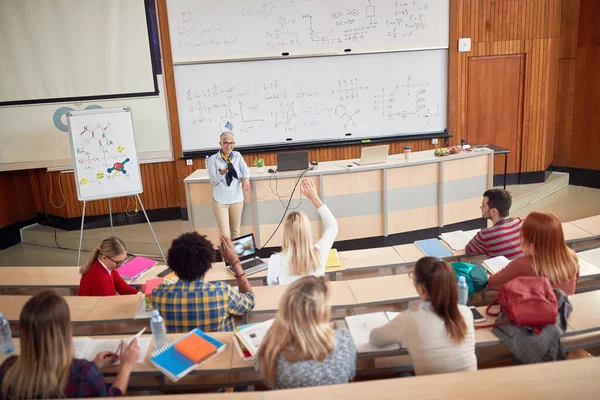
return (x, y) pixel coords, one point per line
(180, 357)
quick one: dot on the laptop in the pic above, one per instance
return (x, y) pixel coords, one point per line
(373, 155)
(245, 248)
(292, 161)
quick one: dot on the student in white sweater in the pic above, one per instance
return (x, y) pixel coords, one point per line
(440, 335)
(299, 257)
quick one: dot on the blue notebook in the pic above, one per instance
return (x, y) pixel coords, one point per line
(433, 248)
(174, 364)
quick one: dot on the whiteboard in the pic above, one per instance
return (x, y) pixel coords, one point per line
(308, 99)
(104, 153)
(203, 30)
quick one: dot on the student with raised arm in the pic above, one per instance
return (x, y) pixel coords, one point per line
(503, 238)
(439, 336)
(194, 303)
(547, 255)
(299, 256)
(99, 276)
(302, 348)
(47, 367)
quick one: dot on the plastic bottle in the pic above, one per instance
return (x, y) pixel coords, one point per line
(6, 342)
(463, 291)
(159, 331)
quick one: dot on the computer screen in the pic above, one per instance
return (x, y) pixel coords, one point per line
(244, 246)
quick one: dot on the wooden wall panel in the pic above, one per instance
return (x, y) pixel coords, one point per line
(16, 201)
(569, 29)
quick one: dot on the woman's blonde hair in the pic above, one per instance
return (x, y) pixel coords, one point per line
(42, 370)
(110, 247)
(303, 256)
(302, 329)
(551, 257)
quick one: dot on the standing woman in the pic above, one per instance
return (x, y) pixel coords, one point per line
(99, 276)
(229, 175)
(302, 348)
(440, 335)
(47, 368)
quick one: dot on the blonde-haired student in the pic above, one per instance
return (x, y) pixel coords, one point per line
(299, 255)
(546, 254)
(440, 335)
(99, 276)
(302, 348)
(46, 367)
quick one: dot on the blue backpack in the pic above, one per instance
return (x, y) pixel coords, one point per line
(475, 275)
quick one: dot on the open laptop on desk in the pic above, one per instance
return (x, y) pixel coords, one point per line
(373, 155)
(292, 161)
(245, 248)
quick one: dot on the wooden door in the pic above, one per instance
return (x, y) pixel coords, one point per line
(495, 105)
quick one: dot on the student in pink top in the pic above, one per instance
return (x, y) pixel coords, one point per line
(547, 255)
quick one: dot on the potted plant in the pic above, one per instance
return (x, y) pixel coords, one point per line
(259, 163)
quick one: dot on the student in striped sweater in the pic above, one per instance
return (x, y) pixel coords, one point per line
(504, 237)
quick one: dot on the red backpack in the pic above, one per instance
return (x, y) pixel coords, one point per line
(526, 301)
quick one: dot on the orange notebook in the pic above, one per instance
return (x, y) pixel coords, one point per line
(196, 348)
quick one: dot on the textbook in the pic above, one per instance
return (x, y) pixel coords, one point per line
(241, 348)
(135, 268)
(493, 265)
(252, 336)
(174, 360)
(433, 248)
(87, 348)
(458, 240)
(360, 327)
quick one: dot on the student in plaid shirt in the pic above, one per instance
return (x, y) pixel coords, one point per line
(47, 368)
(192, 303)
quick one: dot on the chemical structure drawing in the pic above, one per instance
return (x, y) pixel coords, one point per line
(342, 113)
(349, 13)
(370, 11)
(284, 114)
(119, 166)
(349, 89)
(97, 133)
(250, 113)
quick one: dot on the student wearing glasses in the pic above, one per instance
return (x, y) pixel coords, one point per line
(229, 176)
(99, 276)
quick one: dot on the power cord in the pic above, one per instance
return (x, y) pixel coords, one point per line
(276, 192)
(287, 207)
(46, 214)
(61, 192)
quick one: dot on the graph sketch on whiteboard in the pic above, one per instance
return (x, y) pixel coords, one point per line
(250, 113)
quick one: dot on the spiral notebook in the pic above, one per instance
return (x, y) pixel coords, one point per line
(175, 365)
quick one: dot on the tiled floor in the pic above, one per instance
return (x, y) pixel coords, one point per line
(570, 203)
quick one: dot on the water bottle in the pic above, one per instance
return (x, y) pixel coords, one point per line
(463, 291)
(159, 332)
(6, 343)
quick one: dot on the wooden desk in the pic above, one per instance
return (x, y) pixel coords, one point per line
(367, 201)
(591, 225)
(574, 233)
(83, 309)
(586, 312)
(591, 256)
(383, 290)
(381, 257)
(267, 297)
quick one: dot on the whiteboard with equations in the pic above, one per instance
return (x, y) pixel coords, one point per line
(203, 30)
(311, 99)
(104, 153)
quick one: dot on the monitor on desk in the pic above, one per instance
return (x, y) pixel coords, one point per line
(292, 161)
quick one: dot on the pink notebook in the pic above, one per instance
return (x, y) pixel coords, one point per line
(135, 266)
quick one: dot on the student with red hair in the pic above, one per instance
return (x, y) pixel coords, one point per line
(547, 255)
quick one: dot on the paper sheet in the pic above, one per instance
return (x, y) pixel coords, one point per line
(360, 327)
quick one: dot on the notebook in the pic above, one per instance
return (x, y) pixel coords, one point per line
(458, 240)
(88, 348)
(241, 348)
(360, 327)
(148, 287)
(176, 365)
(433, 248)
(333, 261)
(135, 267)
(196, 348)
(493, 265)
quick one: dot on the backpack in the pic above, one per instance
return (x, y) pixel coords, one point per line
(475, 275)
(526, 301)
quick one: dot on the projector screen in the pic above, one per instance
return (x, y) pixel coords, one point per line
(70, 50)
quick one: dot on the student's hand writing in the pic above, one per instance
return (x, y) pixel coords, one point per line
(228, 252)
(105, 358)
(130, 354)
